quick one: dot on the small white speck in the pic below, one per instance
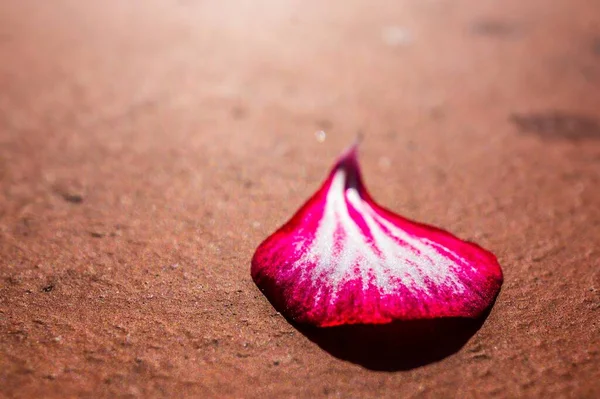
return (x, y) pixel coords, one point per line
(255, 224)
(384, 163)
(320, 135)
(396, 36)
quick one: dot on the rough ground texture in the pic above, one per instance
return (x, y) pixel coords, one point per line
(147, 148)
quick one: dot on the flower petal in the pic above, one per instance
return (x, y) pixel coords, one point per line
(343, 259)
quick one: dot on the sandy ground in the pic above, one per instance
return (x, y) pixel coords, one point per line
(147, 148)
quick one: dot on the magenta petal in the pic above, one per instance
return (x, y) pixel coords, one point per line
(343, 259)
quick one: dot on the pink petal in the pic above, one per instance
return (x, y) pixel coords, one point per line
(343, 259)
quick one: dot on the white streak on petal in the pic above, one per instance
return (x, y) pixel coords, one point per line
(341, 252)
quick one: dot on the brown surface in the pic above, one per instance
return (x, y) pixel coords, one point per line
(147, 147)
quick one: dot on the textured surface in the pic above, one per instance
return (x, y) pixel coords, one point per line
(344, 259)
(141, 153)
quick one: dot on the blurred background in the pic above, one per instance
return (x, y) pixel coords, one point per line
(147, 147)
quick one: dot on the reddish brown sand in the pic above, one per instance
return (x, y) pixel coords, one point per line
(147, 147)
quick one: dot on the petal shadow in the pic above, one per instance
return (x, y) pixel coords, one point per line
(401, 345)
